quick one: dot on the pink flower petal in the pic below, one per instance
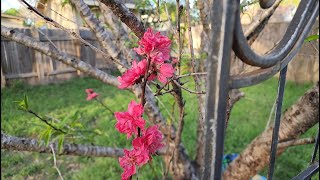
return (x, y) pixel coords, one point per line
(92, 96)
(135, 109)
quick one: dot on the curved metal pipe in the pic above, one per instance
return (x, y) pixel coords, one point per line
(260, 75)
(297, 25)
(265, 4)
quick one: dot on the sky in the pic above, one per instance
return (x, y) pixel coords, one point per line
(7, 4)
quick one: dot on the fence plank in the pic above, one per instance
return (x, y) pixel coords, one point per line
(3, 80)
(38, 58)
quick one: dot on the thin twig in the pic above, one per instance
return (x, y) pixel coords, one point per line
(296, 142)
(47, 38)
(45, 121)
(168, 168)
(58, 13)
(159, 90)
(270, 115)
(72, 129)
(143, 88)
(158, 11)
(314, 47)
(165, 107)
(177, 93)
(190, 91)
(178, 13)
(178, 136)
(162, 93)
(145, 80)
(193, 62)
(191, 74)
(167, 13)
(100, 102)
(55, 161)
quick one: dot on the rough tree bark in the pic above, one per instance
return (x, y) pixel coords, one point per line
(126, 16)
(300, 117)
(12, 143)
(58, 55)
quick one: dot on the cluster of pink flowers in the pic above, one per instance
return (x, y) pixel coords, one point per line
(128, 122)
(156, 48)
(144, 145)
(91, 94)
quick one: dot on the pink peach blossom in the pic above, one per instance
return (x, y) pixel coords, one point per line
(151, 140)
(165, 71)
(128, 122)
(155, 46)
(132, 75)
(175, 60)
(130, 160)
(89, 91)
(91, 94)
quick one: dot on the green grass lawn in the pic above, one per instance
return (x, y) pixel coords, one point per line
(66, 100)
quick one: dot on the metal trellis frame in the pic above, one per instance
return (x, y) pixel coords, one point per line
(226, 22)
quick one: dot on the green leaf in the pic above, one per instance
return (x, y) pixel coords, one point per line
(60, 143)
(98, 131)
(312, 38)
(26, 101)
(48, 137)
(42, 136)
(76, 124)
(23, 105)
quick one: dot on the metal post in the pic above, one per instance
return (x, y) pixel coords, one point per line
(218, 65)
(275, 133)
(315, 148)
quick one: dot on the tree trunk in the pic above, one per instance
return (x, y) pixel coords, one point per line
(303, 115)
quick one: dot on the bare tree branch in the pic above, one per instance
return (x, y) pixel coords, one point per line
(234, 96)
(103, 36)
(126, 16)
(192, 74)
(257, 26)
(56, 54)
(178, 137)
(178, 33)
(45, 121)
(193, 62)
(186, 89)
(205, 9)
(296, 142)
(32, 145)
(113, 21)
(118, 30)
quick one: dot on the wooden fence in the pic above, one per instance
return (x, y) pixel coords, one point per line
(21, 62)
